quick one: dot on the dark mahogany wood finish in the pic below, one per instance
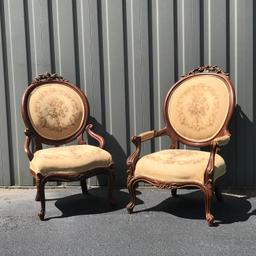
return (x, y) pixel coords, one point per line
(209, 186)
(38, 140)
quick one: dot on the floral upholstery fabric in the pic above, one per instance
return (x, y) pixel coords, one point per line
(176, 165)
(56, 111)
(197, 109)
(70, 159)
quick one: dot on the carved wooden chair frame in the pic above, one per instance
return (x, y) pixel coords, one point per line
(31, 134)
(215, 143)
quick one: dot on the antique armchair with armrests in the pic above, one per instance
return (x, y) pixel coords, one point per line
(197, 111)
(56, 112)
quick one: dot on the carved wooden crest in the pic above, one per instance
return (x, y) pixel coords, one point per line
(47, 77)
(206, 69)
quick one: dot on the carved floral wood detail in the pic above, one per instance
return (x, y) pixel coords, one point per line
(206, 69)
(47, 77)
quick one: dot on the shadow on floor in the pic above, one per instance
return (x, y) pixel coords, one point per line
(95, 202)
(191, 206)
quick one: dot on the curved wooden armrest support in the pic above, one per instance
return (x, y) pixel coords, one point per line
(215, 147)
(223, 140)
(95, 136)
(134, 157)
(80, 139)
(208, 177)
(27, 144)
(137, 140)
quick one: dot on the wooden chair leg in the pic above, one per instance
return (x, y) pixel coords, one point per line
(83, 184)
(131, 189)
(174, 192)
(111, 180)
(208, 197)
(41, 213)
(37, 189)
(218, 194)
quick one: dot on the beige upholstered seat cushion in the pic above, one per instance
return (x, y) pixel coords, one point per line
(70, 159)
(174, 165)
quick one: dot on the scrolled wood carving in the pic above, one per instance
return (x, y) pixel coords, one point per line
(166, 185)
(47, 77)
(206, 69)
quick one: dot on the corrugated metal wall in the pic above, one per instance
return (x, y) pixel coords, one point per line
(126, 54)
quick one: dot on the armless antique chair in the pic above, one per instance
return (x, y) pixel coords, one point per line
(197, 111)
(56, 112)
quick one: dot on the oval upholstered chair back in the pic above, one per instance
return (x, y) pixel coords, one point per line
(55, 110)
(199, 106)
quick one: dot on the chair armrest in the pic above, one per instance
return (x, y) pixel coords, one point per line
(147, 135)
(144, 136)
(94, 135)
(27, 144)
(137, 140)
(222, 141)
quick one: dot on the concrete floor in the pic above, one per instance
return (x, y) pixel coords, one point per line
(162, 225)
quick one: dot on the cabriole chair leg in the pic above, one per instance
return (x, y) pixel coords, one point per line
(37, 189)
(41, 213)
(111, 179)
(131, 189)
(84, 188)
(208, 197)
(218, 194)
(174, 192)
